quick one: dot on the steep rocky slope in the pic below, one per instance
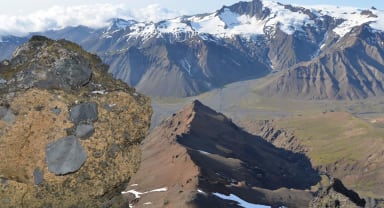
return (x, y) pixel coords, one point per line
(192, 66)
(69, 132)
(198, 156)
(352, 69)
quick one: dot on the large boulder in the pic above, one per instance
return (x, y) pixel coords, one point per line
(69, 133)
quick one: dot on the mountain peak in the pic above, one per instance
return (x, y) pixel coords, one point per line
(198, 153)
(199, 107)
(118, 23)
(251, 8)
(198, 115)
(191, 118)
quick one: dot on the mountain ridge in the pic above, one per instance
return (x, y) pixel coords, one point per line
(193, 161)
(200, 158)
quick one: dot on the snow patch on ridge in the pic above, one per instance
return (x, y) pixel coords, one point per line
(173, 26)
(143, 30)
(228, 23)
(288, 21)
(137, 193)
(352, 17)
(240, 202)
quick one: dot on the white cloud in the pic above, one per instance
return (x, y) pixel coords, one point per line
(154, 13)
(94, 16)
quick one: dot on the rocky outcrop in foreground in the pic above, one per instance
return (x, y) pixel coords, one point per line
(69, 132)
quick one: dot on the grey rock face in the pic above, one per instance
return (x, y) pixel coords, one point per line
(65, 69)
(72, 71)
(68, 73)
(65, 155)
(84, 112)
(84, 131)
(252, 8)
(38, 176)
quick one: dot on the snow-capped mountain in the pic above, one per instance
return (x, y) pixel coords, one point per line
(250, 19)
(188, 55)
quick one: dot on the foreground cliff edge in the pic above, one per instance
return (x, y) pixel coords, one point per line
(69, 133)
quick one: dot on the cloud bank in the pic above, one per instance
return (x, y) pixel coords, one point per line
(94, 16)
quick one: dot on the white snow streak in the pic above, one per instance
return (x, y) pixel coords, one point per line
(201, 192)
(240, 201)
(204, 152)
(158, 190)
(137, 193)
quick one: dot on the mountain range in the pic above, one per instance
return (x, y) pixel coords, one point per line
(318, 52)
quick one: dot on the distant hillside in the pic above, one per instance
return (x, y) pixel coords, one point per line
(352, 69)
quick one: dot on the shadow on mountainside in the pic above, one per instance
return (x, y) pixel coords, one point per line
(233, 161)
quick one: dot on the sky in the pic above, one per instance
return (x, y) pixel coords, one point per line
(18, 17)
